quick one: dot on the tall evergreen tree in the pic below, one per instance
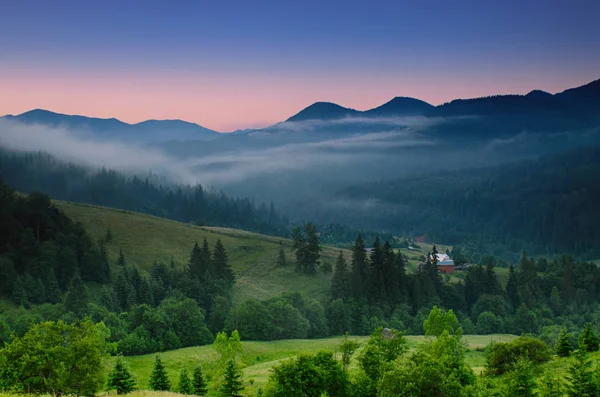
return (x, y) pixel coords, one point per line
(313, 248)
(390, 281)
(122, 292)
(121, 260)
(563, 346)
(401, 277)
(52, 288)
(375, 290)
(492, 285)
(299, 246)
(512, 290)
(581, 375)
(220, 263)
(185, 383)
(521, 381)
(76, 298)
(588, 339)
(104, 268)
(359, 270)
(159, 381)
(339, 280)
(232, 385)
(198, 382)
(19, 294)
(205, 256)
(120, 379)
(281, 259)
(36, 293)
(195, 265)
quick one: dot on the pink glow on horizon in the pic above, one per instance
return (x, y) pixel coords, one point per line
(228, 102)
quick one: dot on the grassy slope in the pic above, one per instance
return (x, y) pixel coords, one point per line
(253, 257)
(258, 357)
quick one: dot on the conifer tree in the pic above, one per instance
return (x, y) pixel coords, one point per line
(281, 259)
(492, 285)
(313, 248)
(159, 381)
(588, 339)
(19, 294)
(76, 298)
(52, 288)
(198, 382)
(220, 263)
(299, 247)
(581, 375)
(390, 277)
(339, 280)
(232, 385)
(104, 271)
(206, 264)
(512, 290)
(376, 276)
(122, 292)
(185, 383)
(195, 264)
(121, 260)
(359, 267)
(120, 379)
(563, 346)
(521, 381)
(108, 235)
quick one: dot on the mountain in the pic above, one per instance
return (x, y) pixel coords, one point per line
(112, 129)
(323, 111)
(400, 106)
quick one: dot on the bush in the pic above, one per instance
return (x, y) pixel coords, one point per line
(502, 357)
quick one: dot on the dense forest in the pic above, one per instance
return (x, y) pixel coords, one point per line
(501, 209)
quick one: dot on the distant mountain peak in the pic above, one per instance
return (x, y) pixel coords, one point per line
(323, 111)
(401, 106)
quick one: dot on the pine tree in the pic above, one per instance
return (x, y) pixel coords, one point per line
(581, 375)
(122, 292)
(376, 277)
(120, 379)
(563, 346)
(299, 247)
(159, 381)
(108, 298)
(281, 260)
(588, 339)
(76, 298)
(359, 268)
(198, 382)
(232, 386)
(121, 260)
(205, 257)
(104, 270)
(52, 288)
(390, 276)
(521, 381)
(19, 294)
(339, 280)
(492, 285)
(195, 264)
(313, 248)
(220, 263)
(512, 290)
(185, 383)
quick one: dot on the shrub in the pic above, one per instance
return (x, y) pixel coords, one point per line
(502, 357)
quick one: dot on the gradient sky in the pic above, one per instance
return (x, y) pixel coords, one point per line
(240, 64)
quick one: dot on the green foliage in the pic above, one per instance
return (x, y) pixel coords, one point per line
(582, 375)
(384, 346)
(232, 385)
(76, 299)
(439, 321)
(521, 381)
(56, 358)
(307, 248)
(19, 294)
(185, 385)
(588, 340)
(120, 379)
(551, 384)
(281, 259)
(308, 375)
(347, 347)
(502, 357)
(159, 379)
(563, 346)
(198, 382)
(227, 347)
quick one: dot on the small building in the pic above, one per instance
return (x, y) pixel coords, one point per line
(445, 263)
(420, 239)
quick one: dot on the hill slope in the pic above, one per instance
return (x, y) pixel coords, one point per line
(253, 257)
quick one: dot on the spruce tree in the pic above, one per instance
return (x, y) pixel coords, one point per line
(52, 288)
(376, 277)
(281, 260)
(159, 381)
(512, 289)
(121, 260)
(588, 339)
(521, 381)
(108, 235)
(313, 248)
(205, 257)
(581, 375)
(300, 248)
(359, 268)
(19, 294)
(104, 271)
(76, 298)
(185, 383)
(198, 382)
(120, 379)
(122, 292)
(195, 264)
(232, 385)
(563, 346)
(339, 280)
(220, 263)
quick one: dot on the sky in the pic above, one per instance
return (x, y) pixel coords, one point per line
(229, 65)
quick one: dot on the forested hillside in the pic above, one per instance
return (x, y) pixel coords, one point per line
(546, 206)
(28, 172)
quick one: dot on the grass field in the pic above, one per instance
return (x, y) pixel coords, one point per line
(258, 358)
(253, 257)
